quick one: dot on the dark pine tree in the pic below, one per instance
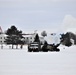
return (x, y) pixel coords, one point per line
(14, 36)
(37, 38)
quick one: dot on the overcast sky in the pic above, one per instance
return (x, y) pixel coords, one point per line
(30, 15)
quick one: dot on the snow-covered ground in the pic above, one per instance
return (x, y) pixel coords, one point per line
(21, 62)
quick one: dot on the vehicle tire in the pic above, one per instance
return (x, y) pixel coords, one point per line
(57, 50)
(36, 50)
(29, 50)
(45, 51)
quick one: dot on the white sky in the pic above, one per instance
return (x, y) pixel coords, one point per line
(30, 15)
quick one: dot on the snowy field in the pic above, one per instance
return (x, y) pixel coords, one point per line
(21, 62)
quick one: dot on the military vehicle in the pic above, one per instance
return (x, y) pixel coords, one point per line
(34, 47)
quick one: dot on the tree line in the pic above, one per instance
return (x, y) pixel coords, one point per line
(15, 37)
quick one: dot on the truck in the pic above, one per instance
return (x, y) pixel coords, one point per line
(34, 47)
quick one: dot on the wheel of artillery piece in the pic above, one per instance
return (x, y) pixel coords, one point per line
(57, 50)
(45, 50)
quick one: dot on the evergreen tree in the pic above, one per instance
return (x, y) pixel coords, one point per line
(37, 38)
(14, 36)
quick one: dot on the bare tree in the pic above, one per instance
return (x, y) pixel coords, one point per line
(44, 33)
